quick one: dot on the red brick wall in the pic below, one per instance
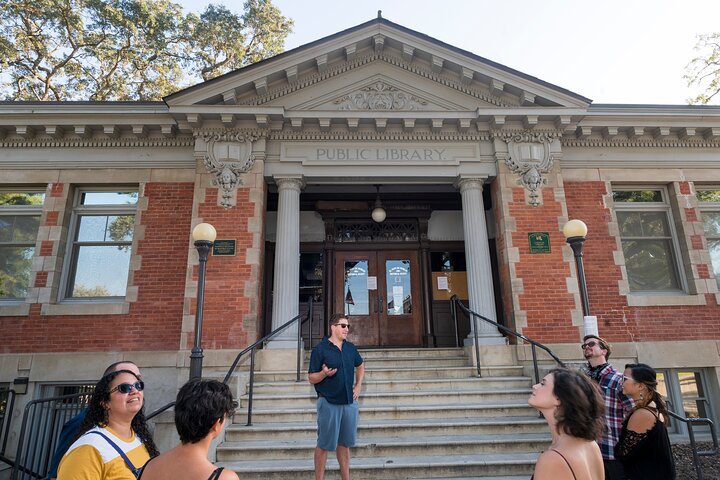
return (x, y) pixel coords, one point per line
(616, 320)
(230, 318)
(154, 320)
(545, 297)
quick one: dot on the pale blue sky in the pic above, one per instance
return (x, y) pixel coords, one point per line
(612, 51)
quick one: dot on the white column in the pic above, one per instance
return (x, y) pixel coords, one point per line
(477, 259)
(286, 283)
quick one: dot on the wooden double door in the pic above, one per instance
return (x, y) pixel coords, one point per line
(380, 292)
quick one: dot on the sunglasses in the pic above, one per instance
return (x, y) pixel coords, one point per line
(588, 345)
(343, 325)
(126, 388)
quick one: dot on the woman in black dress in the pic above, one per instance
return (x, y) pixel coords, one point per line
(644, 446)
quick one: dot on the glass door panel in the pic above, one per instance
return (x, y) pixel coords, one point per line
(356, 293)
(398, 284)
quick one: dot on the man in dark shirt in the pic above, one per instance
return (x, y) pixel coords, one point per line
(334, 365)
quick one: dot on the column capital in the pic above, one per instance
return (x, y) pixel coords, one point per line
(289, 183)
(469, 183)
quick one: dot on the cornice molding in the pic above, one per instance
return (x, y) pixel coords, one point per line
(356, 62)
(185, 141)
(378, 136)
(695, 142)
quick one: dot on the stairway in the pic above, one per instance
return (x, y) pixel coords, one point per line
(424, 414)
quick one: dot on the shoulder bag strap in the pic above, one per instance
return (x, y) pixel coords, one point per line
(135, 471)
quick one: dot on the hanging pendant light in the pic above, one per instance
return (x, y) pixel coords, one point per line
(378, 214)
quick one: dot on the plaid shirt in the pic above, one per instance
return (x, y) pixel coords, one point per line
(617, 406)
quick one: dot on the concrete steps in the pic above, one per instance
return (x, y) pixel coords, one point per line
(424, 413)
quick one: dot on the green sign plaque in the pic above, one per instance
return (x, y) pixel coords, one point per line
(539, 242)
(224, 248)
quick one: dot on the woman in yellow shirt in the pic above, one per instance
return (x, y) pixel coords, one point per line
(114, 442)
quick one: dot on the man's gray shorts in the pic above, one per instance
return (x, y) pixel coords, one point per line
(337, 424)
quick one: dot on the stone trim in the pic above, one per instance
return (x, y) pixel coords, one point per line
(346, 66)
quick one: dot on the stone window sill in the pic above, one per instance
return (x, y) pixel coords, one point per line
(664, 300)
(8, 309)
(90, 308)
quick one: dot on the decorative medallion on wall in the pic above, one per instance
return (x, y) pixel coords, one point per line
(380, 96)
(229, 154)
(529, 157)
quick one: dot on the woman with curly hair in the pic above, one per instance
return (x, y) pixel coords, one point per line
(113, 441)
(644, 446)
(573, 408)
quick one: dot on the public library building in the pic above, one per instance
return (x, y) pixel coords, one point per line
(378, 172)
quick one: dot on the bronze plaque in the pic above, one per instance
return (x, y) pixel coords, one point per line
(224, 248)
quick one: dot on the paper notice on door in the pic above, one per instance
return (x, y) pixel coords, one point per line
(442, 283)
(398, 299)
(372, 283)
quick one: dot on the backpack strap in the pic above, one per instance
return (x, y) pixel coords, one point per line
(216, 473)
(135, 471)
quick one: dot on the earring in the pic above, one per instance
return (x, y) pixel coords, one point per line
(642, 397)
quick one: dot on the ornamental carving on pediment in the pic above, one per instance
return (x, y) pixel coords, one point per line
(380, 96)
(229, 155)
(529, 157)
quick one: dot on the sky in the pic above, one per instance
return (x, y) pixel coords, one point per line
(611, 51)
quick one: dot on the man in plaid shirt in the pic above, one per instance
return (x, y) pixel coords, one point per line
(617, 405)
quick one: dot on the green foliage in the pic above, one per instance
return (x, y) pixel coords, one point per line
(708, 196)
(84, 291)
(126, 49)
(21, 198)
(703, 71)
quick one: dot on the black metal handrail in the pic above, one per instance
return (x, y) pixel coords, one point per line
(41, 424)
(691, 421)
(253, 348)
(6, 419)
(455, 302)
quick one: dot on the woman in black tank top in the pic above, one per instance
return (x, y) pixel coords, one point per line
(644, 446)
(573, 407)
(202, 408)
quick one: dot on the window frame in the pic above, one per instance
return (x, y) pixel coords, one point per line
(675, 398)
(666, 207)
(23, 210)
(709, 207)
(73, 246)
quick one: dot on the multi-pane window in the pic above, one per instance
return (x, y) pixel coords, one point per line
(710, 210)
(19, 221)
(102, 231)
(686, 392)
(648, 240)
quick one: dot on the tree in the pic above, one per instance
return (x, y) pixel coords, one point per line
(127, 49)
(704, 70)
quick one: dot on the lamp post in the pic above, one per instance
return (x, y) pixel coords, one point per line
(204, 235)
(575, 232)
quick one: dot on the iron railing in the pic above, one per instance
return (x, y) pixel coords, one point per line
(42, 422)
(690, 422)
(455, 304)
(253, 348)
(7, 403)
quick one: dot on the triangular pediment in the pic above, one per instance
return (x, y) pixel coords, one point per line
(378, 66)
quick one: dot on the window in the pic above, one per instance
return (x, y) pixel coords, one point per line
(19, 221)
(648, 240)
(710, 212)
(102, 229)
(687, 395)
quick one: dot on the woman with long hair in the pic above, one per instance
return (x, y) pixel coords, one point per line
(644, 446)
(573, 408)
(113, 441)
(202, 409)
